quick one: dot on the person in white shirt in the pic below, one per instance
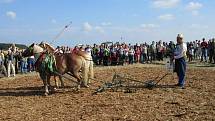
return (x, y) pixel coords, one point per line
(180, 63)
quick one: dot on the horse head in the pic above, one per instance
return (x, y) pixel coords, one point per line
(31, 50)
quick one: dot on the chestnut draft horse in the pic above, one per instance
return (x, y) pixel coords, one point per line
(85, 55)
(64, 63)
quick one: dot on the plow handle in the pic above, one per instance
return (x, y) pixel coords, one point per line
(161, 78)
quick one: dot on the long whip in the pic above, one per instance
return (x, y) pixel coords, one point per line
(60, 33)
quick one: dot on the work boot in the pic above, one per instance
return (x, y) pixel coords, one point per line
(182, 87)
(177, 84)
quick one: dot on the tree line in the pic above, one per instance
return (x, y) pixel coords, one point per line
(5, 46)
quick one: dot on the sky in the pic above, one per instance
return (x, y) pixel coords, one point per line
(96, 21)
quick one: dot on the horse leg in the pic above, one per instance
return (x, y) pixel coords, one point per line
(77, 76)
(49, 84)
(45, 83)
(56, 82)
(61, 80)
(46, 87)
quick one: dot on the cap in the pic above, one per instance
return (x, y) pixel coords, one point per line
(180, 36)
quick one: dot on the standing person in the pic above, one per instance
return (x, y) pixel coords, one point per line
(2, 67)
(121, 55)
(95, 54)
(17, 60)
(131, 55)
(1, 57)
(195, 49)
(204, 50)
(170, 51)
(144, 53)
(30, 61)
(23, 63)
(126, 49)
(180, 63)
(10, 64)
(137, 54)
(210, 51)
(213, 48)
(160, 48)
(101, 53)
(190, 51)
(106, 55)
(153, 51)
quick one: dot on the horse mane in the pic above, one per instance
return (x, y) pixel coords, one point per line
(37, 48)
(47, 47)
(84, 54)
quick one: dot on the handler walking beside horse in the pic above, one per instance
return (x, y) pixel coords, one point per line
(180, 63)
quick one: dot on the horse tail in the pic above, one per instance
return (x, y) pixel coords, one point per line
(85, 70)
(91, 71)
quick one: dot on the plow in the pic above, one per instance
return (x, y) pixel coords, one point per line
(129, 84)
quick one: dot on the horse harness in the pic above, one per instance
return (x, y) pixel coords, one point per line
(46, 64)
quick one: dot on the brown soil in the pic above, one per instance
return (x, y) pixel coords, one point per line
(21, 98)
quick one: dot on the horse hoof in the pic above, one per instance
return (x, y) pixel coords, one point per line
(85, 86)
(55, 89)
(46, 94)
(79, 87)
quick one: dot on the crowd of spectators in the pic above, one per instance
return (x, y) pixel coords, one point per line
(123, 54)
(12, 62)
(201, 50)
(109, 53)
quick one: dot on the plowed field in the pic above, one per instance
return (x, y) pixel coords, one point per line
(21, 98)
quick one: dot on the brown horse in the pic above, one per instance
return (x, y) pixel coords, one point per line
(64, 63)
(85, 55)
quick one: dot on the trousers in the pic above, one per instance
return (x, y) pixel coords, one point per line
(180, 68)
(9, 67)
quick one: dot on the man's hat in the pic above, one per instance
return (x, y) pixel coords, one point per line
(180, 36)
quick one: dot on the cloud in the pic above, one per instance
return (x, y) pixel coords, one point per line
(6, 1)
(198, 26)
(99, 29)
(194, 7)
(54, 21)
(87, 27)
(106, 23)
(195, 13)
(166, 17)
(11, 14)
(149, 26)
(165, 3)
